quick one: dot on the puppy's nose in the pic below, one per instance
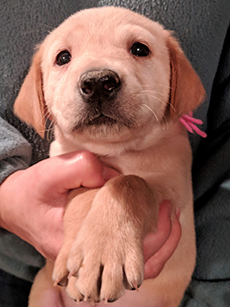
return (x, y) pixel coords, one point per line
(99, 84)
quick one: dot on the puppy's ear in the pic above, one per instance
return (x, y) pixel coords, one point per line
(187, 91)
(30, 105)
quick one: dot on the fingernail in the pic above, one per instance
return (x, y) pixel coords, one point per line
(63, 282)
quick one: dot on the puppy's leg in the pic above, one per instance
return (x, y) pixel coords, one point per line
(107, 255)
(79, 204)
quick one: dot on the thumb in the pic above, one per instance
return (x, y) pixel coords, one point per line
(72, 170)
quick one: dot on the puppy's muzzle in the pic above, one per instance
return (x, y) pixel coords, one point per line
(99, 85)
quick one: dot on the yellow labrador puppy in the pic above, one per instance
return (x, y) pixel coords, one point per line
(116, 83)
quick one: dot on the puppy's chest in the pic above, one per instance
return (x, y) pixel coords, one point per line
(130, 164)
(135, 162)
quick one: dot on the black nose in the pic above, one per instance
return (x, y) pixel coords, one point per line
(99, 85)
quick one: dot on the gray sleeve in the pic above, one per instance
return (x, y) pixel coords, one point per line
(15, 151)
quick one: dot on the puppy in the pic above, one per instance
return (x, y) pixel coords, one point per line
(116, 84)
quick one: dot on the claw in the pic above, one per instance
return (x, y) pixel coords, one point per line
(109, 300)
(62, 282)
(135, 286)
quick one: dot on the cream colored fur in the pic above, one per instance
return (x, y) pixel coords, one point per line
(104, 228)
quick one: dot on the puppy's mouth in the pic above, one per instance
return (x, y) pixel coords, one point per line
(101, 120)
(98, 120)
(97, 123)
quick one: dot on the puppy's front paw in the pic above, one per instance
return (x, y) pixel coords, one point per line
(105, 269)
(107, 255)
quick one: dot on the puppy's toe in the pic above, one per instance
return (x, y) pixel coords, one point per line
(60, 273)
(134, 270)
(72, 291)
(112, 286)
(89, 279)
(75, 261)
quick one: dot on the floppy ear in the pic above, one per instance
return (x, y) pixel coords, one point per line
(30, 105)
(187, 91)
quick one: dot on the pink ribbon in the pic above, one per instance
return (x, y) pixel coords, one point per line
(191, 123)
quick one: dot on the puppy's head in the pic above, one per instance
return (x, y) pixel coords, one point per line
(108, 75)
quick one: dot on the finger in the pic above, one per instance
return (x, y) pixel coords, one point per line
(154, 241)
(72, 170)
(156, 263)
(90, 172)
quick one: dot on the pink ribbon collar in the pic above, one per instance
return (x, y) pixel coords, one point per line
(191, 123)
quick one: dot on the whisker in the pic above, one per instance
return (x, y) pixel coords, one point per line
(171, 106)
(152, 96)
(49, 130)
(164, 123)
(158, 85)
(48, 127)
(155, 97)
(146, 106)
(151, 92)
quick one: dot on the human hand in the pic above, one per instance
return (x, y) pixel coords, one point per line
(159, 246)
(33, 200)
(43, 188)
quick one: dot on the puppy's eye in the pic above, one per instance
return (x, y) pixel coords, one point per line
(63, 58)
(139, 49)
